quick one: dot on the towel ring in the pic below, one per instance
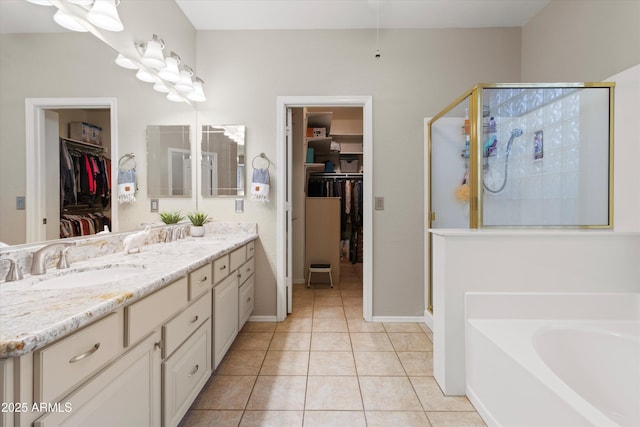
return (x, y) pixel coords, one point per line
(125, 158)
(260, 156)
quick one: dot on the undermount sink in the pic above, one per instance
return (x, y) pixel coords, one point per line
(84, 277)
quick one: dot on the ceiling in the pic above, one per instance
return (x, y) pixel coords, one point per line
(19, 16)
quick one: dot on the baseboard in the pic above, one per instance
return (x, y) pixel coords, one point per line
(391, 319)
(428, 319)
(263, 319)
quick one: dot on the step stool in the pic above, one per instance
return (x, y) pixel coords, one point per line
(319, 268)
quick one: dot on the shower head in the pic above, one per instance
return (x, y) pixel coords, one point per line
(515, 133)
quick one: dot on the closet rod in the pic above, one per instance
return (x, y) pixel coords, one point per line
(84, 145)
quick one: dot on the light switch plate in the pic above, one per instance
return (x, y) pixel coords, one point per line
(379, 201)
(239, 205)
(20, 203)
(154, 205)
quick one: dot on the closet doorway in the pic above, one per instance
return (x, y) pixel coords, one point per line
(293, 184)
(42, 131)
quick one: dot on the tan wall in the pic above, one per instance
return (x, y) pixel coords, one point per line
(420, 72)
(581, 41)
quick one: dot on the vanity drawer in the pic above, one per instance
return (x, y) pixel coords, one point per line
(72, 359)
(246, 270)
(199, 281)
(238, 257)
(178, 329)
(142, 316)
(220, 268)
(250, 249)
(184, 374)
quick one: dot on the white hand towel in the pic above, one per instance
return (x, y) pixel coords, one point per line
(260, 185)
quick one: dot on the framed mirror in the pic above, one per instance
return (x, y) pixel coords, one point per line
(169, 161)
(223, 160)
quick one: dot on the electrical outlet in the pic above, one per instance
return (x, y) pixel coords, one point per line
(154, 205)
(239, 205)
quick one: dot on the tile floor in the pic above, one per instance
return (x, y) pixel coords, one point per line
(325, 366)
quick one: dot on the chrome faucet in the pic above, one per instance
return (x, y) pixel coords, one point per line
(39, 261)
(14, 272)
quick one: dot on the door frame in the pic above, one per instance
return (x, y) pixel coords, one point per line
(36, 159)
(283, 148)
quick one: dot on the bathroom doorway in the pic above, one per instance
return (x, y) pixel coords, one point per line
(285, 214)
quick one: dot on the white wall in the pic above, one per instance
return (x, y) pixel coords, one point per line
(527, 261)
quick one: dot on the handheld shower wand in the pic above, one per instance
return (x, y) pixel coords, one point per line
(515, 133)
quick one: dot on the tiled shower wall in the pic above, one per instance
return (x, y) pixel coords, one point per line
(569, 184)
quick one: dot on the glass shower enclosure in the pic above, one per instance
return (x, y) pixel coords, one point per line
(526, 155)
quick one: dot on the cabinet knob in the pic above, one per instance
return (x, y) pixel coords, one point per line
(88, 353)
(249, 299)
(223, 267)
(194, 320)
(204, 279)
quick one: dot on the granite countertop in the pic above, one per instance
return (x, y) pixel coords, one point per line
(31, 317)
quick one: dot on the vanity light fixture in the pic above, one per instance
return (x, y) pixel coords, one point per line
(197, 94)
(145, 76)
(67, 21)
(41, 2)
(104, 14)
(171, 72)
(125, 62)
(173, 97)
(161, 87)
(152, 56)
(185, 84)
(101, 13)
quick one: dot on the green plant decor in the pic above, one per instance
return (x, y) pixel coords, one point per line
(198, 218)
(171, 217)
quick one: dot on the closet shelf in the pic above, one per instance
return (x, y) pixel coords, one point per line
(84, 145)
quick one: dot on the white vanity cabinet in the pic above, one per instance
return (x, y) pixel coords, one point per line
(144, 363)
(125, 393)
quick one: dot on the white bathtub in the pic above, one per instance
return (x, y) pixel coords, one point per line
(554, 359)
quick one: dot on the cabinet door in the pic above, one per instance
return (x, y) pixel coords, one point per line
(126, 393)
(245, 301)
(184, 374)
(226, 316)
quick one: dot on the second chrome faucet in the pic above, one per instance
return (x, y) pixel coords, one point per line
(39, 261)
